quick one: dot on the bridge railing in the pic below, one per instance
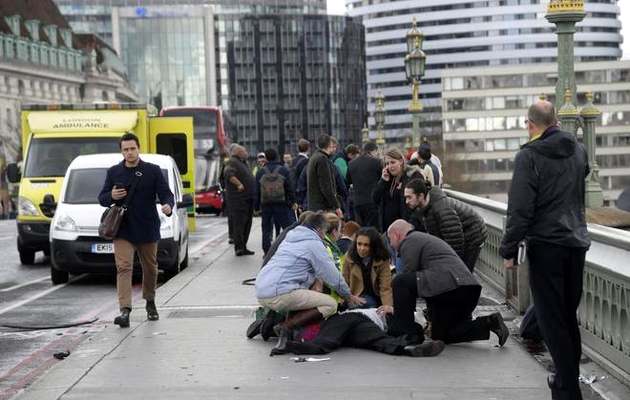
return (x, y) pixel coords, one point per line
(604, 312)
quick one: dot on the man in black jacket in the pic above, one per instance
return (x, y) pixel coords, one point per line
(240, 191)
(274, 197)
(300, 161)
(322, 189)
(433, 271)
(546, 209)
(364, 172)
(449, 219)
(140, 228)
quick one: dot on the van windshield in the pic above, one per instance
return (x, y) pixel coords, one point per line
(49, 157)
(84, 185)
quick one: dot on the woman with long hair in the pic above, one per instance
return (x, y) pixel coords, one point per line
(367, 270)
(389, 193)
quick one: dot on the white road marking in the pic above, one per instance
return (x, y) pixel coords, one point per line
(7, 237)
(41, 294)
(10, 288)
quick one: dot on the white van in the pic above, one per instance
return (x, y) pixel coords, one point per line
(75, 246)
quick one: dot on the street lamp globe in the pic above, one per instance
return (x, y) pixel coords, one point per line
(379, 113)
(415, 64)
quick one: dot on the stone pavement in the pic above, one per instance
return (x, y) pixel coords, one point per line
(198, 350)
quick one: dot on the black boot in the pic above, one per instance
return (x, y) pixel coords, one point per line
(427, 349)
(496, 325)
(299, 318)
(152, 313)
(123, 319)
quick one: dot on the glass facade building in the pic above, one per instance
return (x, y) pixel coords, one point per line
(484, 115)
(467, 34)
(291, 76)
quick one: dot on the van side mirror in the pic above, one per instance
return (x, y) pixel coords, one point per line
(13, 173)
(187, 201)
(48, 206)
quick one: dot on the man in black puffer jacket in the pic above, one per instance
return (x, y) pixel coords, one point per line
(546, 209)
(449, 219)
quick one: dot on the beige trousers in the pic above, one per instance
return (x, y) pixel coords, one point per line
(123, 253)
(302, 299)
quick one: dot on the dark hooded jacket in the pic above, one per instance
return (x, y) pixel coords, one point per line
(452, 221)
(546, 199)
(391, 200)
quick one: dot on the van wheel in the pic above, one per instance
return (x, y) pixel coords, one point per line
(184, 263)
(57, 276)
(27, 256)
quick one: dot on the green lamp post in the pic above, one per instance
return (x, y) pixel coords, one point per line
(379, 118)
(415, 63)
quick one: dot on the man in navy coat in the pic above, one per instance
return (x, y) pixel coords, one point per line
(140, 228)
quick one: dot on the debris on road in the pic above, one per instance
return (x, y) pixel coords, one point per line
(61, 355)
(308, 359)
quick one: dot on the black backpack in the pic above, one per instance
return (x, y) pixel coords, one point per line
(272, 187)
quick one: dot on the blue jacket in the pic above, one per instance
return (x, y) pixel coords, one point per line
(141, 223)
(300, 258)
(288, 186)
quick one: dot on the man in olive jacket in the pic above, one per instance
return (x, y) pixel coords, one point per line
(546, 209)
(433, 271)
(322, 189)
(449, 219)
(240, 192)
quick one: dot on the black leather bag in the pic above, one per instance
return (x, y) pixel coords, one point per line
(112, 217)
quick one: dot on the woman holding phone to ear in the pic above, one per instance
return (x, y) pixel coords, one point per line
(389, 191)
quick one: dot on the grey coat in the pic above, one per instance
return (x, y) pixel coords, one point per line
(438, 268)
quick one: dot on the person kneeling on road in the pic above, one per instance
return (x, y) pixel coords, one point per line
(432, 270)
(283, 283)
(363, 329)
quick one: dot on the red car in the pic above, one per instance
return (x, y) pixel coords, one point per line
(209, 201)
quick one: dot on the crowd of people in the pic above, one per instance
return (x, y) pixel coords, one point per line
(360, 238)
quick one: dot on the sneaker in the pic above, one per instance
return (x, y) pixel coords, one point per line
(123, 319)
(244, 252)
(152, 313)
(498, 327)
(427, 349)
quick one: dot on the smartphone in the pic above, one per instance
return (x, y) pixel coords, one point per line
(120, 186)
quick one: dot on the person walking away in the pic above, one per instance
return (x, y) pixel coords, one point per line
(284, 283)
(275, 198)
(546, 210)
(140, 229)
(364, 172)
(367, 270)
(322, 189)
(433, 271)
(240, 193)
(389, 191)
(453, 221)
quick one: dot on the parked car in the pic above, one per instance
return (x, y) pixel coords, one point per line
(75, 246)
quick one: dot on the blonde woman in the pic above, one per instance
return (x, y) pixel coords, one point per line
(389, 192)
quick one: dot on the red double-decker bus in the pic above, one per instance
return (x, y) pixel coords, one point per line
(211, 128)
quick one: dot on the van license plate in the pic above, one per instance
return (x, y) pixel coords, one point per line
(103, 248)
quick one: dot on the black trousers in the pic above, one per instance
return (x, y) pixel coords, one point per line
(366, 215)
(471, 255)
(278, 215)
(451, 312)
(555, 277)
(351, 330)
(241, 215)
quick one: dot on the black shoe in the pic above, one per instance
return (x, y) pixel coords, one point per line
(244, 252)
(266, 328)
(152, 313)
(123, 319)
(283, 334)
(551, 381)
(427, 349)
(497, 326)
(254, 328)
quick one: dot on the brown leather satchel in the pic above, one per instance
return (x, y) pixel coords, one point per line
(113, 216)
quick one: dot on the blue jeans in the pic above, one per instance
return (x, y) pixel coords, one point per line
(274, 214)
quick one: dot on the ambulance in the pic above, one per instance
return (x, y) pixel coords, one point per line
(54, 135)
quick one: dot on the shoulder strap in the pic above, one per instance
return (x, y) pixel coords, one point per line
(132, 189)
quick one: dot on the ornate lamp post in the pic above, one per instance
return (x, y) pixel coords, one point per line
(590, 114)
(414, 69)
(379, 117)
(365, 134)
(565, 14)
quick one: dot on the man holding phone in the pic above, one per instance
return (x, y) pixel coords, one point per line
(140, 228)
